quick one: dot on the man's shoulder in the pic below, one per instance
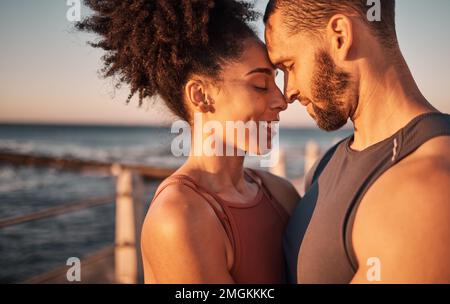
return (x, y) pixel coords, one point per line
(427, 168)
(406, 213)
(412, 195)
(425, 172)
(435, 147)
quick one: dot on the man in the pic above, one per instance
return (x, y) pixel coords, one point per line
(377, 206)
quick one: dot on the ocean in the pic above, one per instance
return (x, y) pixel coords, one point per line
(29, 249)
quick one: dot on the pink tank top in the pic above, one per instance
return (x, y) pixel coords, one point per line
(255, 231)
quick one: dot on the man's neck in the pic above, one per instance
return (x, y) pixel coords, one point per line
(389, 99)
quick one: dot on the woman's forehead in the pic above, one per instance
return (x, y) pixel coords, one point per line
(254, 59)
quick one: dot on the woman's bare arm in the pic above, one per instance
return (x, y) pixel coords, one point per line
(183, 240)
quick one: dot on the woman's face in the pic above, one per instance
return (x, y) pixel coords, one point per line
(247, 93)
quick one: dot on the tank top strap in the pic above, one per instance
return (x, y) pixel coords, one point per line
(272, 199)
(190, 183)
(420, 130)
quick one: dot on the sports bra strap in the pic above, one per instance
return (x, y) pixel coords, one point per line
(190, 183)
(273, 200)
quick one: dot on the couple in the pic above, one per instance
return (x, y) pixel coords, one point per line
(376, 207)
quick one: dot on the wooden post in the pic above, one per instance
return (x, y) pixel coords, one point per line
(312, 153)
(139, 212)
(125, 243)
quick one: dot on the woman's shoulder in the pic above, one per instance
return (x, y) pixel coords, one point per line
(178, 210)
(179, 227)
(282, 189)
(177, 203)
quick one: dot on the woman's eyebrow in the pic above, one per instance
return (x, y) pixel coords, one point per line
(267, 71)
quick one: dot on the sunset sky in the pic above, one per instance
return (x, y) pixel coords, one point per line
(49, 75)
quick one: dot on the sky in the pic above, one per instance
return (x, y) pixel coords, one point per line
(49, 75)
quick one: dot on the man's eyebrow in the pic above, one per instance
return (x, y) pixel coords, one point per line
(280, 61)
(267, 71)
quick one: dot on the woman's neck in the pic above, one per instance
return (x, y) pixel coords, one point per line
(219, 173)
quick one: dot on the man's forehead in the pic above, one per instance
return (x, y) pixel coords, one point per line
(272, 38)
(276, 32)
(278, 46)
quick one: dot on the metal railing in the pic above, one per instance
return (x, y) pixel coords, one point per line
(128, 199)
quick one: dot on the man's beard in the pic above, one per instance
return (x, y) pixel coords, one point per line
(330, 86)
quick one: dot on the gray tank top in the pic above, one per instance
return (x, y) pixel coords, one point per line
(318, 238)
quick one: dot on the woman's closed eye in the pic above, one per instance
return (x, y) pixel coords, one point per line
(261, 88)
(260, 85)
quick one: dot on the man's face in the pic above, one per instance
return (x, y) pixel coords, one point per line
(311, 75)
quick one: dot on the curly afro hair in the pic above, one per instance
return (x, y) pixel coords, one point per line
(154, 46)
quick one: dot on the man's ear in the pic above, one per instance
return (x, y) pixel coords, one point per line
(196, 95)
(340, 33)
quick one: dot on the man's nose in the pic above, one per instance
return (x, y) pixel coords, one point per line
(291, 95)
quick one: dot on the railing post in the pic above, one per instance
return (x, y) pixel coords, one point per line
(139, 211)
(312, 153)
(125, 239)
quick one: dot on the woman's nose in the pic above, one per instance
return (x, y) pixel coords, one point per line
(278, 101)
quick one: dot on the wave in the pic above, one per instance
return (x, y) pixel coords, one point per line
(134, 154)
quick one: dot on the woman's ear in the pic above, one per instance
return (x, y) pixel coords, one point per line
(340, 34)
(197, 96)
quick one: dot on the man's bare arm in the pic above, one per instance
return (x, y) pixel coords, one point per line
(402, 230)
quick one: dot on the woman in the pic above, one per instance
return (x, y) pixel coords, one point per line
(212, 221)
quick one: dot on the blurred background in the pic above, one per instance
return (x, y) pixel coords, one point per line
(63, 130)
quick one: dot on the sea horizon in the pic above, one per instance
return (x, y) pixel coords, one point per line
(348, 127)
